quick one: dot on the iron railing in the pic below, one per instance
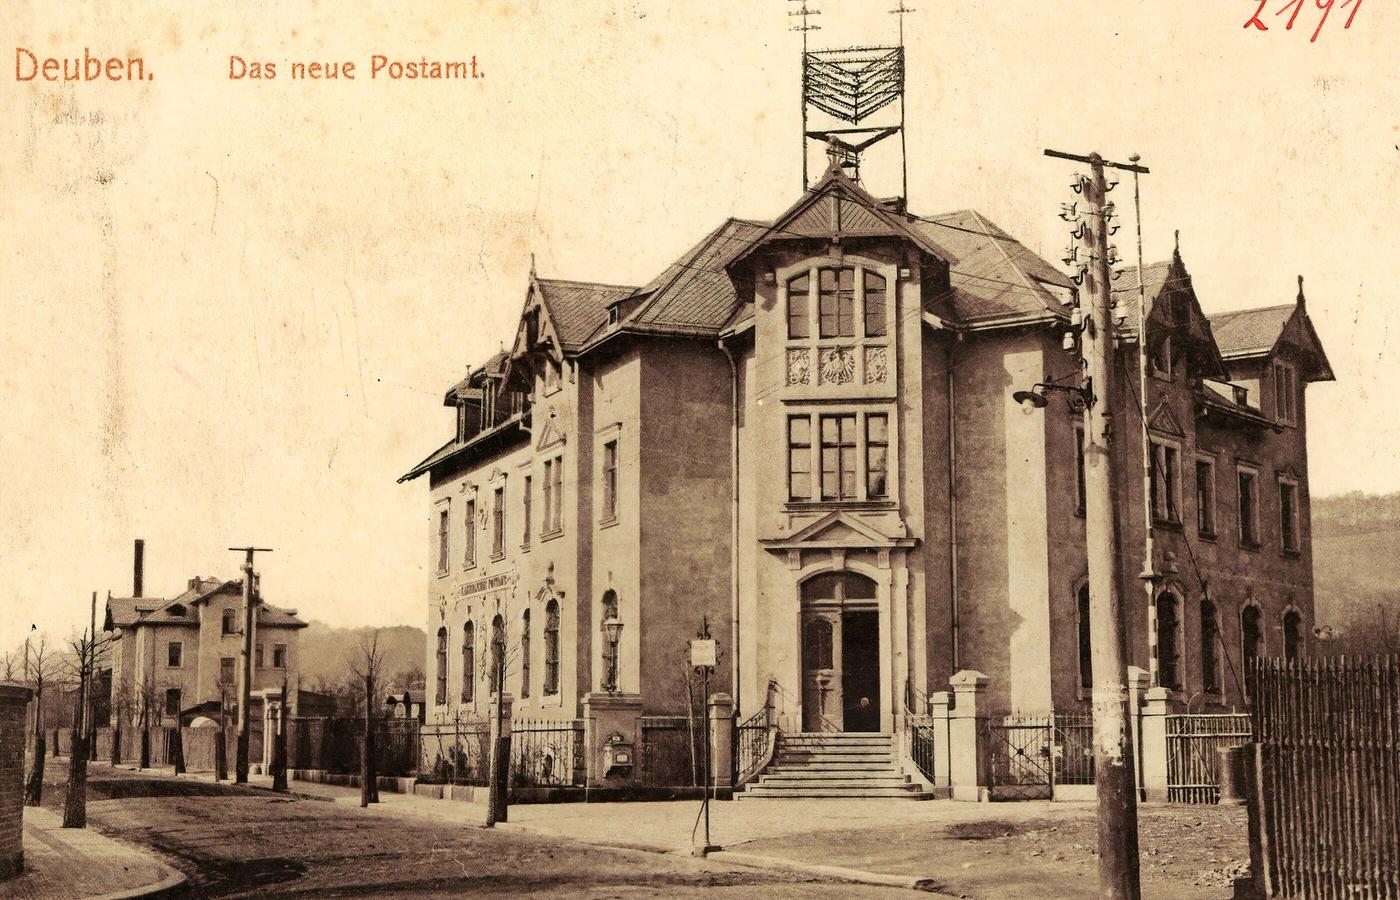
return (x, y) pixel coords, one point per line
(753, 745)
(457, 752)
(546, 753)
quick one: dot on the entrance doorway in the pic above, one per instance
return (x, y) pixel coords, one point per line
(840, 654)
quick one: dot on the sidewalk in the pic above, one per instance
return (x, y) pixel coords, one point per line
(82, 863)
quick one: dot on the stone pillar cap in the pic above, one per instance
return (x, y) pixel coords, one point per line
(969, 678)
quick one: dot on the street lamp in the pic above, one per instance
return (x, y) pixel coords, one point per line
(1035, 398)
(612, 632)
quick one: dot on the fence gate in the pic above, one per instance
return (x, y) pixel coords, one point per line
(1193, 742)
(1021, 764)
(1328, 768)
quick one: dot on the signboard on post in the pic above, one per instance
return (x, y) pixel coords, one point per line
(703, 653)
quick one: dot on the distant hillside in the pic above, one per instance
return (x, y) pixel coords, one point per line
(1356, 564)
(326, 652)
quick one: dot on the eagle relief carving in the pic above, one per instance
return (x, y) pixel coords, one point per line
(876, 365)
(838, 365)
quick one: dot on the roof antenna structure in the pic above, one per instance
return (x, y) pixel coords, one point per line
(849, 87)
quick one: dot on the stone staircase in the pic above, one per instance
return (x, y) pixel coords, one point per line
(834, 765)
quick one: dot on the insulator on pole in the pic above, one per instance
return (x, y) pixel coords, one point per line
(1068, 341)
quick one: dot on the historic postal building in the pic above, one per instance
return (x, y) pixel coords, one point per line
(803, 433)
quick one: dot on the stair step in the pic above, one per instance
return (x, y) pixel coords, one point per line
(795, 758)
(908, 792)
(842, 781)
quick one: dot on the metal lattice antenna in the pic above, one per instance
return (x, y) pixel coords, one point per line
(805, 26)
(902, 11)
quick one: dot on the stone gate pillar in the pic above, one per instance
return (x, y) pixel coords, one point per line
(14, 704)
(967, 737)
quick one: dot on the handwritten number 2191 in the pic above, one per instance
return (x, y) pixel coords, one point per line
(1325, 6)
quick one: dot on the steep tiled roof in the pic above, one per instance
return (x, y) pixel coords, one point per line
(462, 389)
(993, 275)
(267, 613)
(695, 292)
(1125, 291)
(1248, 332)
(579, 308)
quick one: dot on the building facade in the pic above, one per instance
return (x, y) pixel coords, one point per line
(179, 658)
(801, 435)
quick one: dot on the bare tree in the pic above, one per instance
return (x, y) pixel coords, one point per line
(85, 649)
(11, 666)
(42, 667)
(366, 663)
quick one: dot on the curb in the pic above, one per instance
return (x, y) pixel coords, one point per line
(173, 880)
(858, 876)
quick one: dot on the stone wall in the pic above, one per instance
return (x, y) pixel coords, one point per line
(14, 701)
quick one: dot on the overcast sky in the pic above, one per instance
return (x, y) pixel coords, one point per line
(232, 308)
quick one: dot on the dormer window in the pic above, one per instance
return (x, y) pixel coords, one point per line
(1285, 392)
(1162, 359)
(838, 321)
(177, 610)
(461, 420)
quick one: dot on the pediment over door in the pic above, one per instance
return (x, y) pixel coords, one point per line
(839, 530)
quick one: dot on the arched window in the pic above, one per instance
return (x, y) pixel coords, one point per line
(1168, 641)
(816, 645)
(525, 653)
(1210, 642)
(498, 651)
(1086, 654)
(442, 667)
(799, 306)
(551, 647)
(468, 662)
(1251, 635)
(1292, 634)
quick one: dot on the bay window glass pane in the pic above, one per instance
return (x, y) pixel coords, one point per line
(799, 307)
(875, 325)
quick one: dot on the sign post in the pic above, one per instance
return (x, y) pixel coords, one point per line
(704, 654)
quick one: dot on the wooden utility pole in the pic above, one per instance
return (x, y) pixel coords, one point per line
(1113, 750)
(245, 686)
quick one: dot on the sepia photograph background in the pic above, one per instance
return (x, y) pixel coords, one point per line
(231, 307)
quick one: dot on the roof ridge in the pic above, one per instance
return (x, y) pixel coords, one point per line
(1034, 288)
(577, 281)
(1252, 309)
(681, 265)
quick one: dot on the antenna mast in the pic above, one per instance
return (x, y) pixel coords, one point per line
(804, 27)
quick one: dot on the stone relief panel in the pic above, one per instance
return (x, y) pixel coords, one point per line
(876, 367)
(799, 366)
(838, 365)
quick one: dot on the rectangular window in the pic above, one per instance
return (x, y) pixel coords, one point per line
(1162, 358)
(525, 512)
(498, 523)
(837, 302)
(469, 535)
(226, 670)
(444, 532)
(1285, 393)
(838, 437)
(279, 656)
(610, 480)
(548, 493)
(875, 308)
(1205, 498)
(228, 622)
(174, 651)
(1081, 484)
(172, 702)
(555, 524)
(1249, 508)
(799, 457)
(799, 306)
(1288, 513)
(1166, 484)
(877, 448)
(258, 657)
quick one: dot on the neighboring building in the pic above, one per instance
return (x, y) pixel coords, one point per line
(182, 654)
(802, 431)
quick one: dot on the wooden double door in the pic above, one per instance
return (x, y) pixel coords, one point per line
(840, 654)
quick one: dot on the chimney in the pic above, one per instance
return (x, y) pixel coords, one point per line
(138, 568)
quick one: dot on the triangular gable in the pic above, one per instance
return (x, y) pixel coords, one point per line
(837, 207)
(1164, 421)
(550, 435)
(1175, 310)
(837, 529)
(1298, 333)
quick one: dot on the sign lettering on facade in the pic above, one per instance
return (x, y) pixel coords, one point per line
(481, 585)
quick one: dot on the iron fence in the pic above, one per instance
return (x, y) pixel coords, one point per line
(1073, 748)
(457, 752)
(1327, 767)
(546, 753)
(1193, 744)
(1029, 754)
(672, 753)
